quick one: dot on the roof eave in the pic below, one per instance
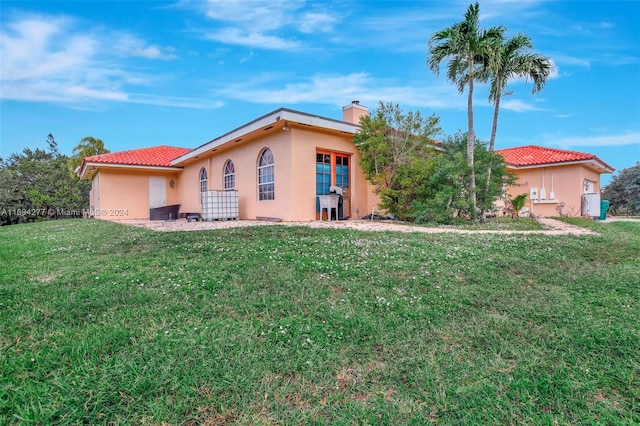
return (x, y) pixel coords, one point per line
(282, 114)
(96, 166)
(601, 164)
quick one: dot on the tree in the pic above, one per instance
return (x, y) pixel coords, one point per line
(37, 183)
(517, 203)
(53, 145)
(444, 194)
(468, 48)
(87, 147)
(623, 192)
(394, 149)
(9, 200)
(514, 60)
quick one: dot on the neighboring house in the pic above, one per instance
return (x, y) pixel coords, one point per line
(279, 164)
(558, 182)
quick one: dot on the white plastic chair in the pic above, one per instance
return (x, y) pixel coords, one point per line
(328, 202)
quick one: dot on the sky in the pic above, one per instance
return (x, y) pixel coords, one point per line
(142, 73)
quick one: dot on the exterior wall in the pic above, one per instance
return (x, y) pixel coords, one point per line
(94, 194)
(294, 153)
(189, 186)
(305, 145)
(564, 182)
(373, 201)
(173, 195)
(124, 194)
(245, 159)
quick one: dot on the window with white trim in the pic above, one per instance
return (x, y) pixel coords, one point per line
(266, 176)
(203, 180)
(229, 176)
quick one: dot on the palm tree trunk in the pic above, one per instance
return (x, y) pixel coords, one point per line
(492, 142)
(471, 143)
(494, 127)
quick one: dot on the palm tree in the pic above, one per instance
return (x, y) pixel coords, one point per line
(87, 147)
(513, 60)
(517, 203)
(469, 48)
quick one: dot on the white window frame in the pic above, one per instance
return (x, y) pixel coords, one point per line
(203, 180)
(229, 176)
(266, 176)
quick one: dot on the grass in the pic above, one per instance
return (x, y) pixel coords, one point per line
(491, 224)
(501, 224)
(107, 324)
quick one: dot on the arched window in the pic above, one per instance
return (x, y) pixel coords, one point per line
(203, 180)
(229, 176)
(266, 176)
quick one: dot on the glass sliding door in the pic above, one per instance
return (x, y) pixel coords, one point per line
(332, 169)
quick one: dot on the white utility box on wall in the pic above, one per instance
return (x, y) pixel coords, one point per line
(591, 204)
(533, 194)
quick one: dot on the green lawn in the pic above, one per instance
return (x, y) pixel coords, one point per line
(106, 324)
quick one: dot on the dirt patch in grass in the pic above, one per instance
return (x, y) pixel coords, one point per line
(552, 226)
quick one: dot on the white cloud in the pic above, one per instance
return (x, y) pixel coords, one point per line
(273, 25)
(572, 60)
(251, 39)
(631, 138)
(250, 23)
(129, 45)
(555, 71)
(247, 58)
(46, 59)
(401, 31)
(41, 60)
(257, 16)
(497, 10)
(338, 89)
(517, 105)
(37, 48)
(53, 91)
(172, 101)
(153, 52)
(313, 22)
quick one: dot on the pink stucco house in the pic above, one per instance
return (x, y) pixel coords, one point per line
(558, 182)
(280, 167)
(273, 167)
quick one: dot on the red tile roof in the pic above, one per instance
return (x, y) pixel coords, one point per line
(158, 156)
(533, 155)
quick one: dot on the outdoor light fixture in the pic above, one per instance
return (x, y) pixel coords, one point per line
(286, 126)
(171, 183)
